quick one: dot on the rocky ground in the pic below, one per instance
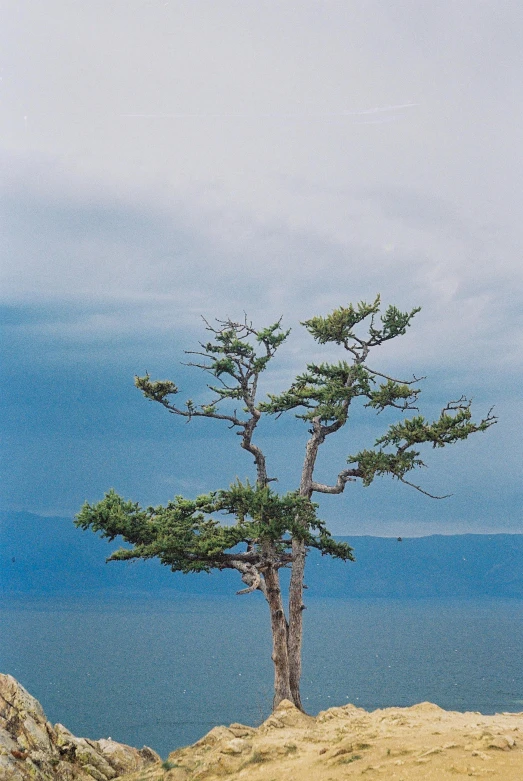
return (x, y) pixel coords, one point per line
(33, 749)
(400, 744)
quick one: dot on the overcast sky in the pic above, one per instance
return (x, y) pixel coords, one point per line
(167, 160)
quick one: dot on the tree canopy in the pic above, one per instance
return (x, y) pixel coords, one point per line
(267, 530)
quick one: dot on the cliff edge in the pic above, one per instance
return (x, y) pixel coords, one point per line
(400, 744)
(31, 748)
(419, 743)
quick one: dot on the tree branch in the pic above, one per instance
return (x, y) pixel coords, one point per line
(252, 578)
(195, 413)
(344, 477)
(421, 490)
(393, 379)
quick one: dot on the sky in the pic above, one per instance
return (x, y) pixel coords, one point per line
(168, 160)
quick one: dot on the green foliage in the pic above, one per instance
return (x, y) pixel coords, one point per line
(232, 358)
(180, 534)
(155, 391)
(454, 424)
(185, 536)
(325, 391)
(190, 535)
(338, 327)
(392, 394)
(376, 462)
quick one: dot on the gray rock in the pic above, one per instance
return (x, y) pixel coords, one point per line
(31, 749)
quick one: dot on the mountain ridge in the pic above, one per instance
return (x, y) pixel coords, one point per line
(49, 555)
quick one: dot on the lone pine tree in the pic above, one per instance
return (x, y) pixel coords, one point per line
(270, 530)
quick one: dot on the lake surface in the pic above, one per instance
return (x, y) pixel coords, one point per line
(161, 671)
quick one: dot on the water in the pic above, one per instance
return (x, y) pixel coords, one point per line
(162, 671)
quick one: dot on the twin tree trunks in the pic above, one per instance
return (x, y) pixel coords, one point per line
(270, 530)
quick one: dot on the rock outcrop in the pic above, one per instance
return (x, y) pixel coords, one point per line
(32, 749)
(421, 743)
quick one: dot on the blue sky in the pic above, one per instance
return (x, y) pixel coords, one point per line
(167, 160)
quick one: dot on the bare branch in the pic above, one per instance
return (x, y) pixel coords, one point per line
(461, 403)
(250, 558)
(344, 477)
(360, 353)
(402, 407)
(252, 578)
(200, 414)
(421, 490)
(352, 350)
(393, 379)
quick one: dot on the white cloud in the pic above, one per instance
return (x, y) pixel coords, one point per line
(162, 264)
(166, 161)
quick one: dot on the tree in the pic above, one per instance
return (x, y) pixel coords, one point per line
(272, 530)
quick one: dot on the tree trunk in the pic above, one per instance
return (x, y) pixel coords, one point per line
(280, 629)
(299, 551)
(296, 608)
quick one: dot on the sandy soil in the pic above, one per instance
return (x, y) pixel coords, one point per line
(401, 744)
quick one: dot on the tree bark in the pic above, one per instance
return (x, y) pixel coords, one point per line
(280, 629)
(296, 608)
(299, 551)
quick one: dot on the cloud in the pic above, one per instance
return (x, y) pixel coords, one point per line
(129, 265)
(258, 176)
